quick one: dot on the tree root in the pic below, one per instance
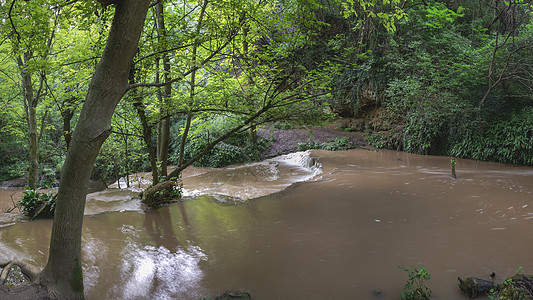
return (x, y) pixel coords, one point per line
(161, 193)
(29, 288)
(27, 270)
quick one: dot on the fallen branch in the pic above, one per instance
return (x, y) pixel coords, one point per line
(14, 204)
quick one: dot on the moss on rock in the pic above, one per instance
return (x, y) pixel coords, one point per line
(518, 287)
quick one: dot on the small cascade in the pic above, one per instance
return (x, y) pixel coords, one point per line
(302, 159)
(252, 180)
(229, 184)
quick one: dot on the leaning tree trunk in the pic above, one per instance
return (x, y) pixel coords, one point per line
(63, 273)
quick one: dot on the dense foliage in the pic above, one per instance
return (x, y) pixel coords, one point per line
(228, 66)
(452, 79)
(428, 77)
(236, 149)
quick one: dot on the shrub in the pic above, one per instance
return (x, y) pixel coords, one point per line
(508, 141)
(238, 148)
(32, 203)
(415, 287)
(333, 145)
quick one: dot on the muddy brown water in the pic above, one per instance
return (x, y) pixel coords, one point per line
(341, 235)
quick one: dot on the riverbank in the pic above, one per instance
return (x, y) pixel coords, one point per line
(285, 141)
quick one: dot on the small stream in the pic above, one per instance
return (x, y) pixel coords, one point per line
(340, 233)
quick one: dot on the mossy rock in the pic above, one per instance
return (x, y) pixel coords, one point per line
(475, 287)
(161, 193)
(233, 295)
(518, 287)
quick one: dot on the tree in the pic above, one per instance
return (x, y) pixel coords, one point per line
(63, 273)
(31, 45)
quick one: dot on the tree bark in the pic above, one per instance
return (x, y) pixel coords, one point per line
(164, 140)
(63, 273)
(31, 114)
(192, 83)
(147, 136)
(184, 139)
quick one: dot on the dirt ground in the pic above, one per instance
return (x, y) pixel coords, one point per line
(286, 141)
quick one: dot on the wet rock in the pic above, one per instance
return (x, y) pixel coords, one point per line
(233, 295)
(474, 287)
(15, 277)
(18, 182)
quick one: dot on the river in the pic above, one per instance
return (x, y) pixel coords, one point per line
(340, 235)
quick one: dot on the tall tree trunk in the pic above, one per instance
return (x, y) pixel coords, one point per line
(33, 174)
(147, 130)
(164, 134)
(63, 273)
(67, 109)
(147, 136)
(67, 132)
(184, 139)
(31, 115)
(192, 83)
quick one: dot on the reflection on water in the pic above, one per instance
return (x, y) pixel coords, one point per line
(340, 236)
(160, 273)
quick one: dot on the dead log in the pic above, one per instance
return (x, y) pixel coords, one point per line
(45, 211)
(474, 287)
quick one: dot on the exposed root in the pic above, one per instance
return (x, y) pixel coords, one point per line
(15, 287)
(27, 270)
(161, 193)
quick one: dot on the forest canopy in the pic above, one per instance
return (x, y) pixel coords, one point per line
(429, 77)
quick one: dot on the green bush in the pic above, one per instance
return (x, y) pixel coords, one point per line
(380, 140)
(13, 157)
(32, 201)
(333, 145)
(415, 288)
(508, 141)
(238, 148)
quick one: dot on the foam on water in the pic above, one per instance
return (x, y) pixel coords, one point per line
(254, 180)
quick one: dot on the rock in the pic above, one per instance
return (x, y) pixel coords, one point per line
(474, 287)
(352, 124)
(18, 182)
(518, 287)
(233, 295)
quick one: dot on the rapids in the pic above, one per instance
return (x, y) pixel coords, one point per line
(340, 233)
